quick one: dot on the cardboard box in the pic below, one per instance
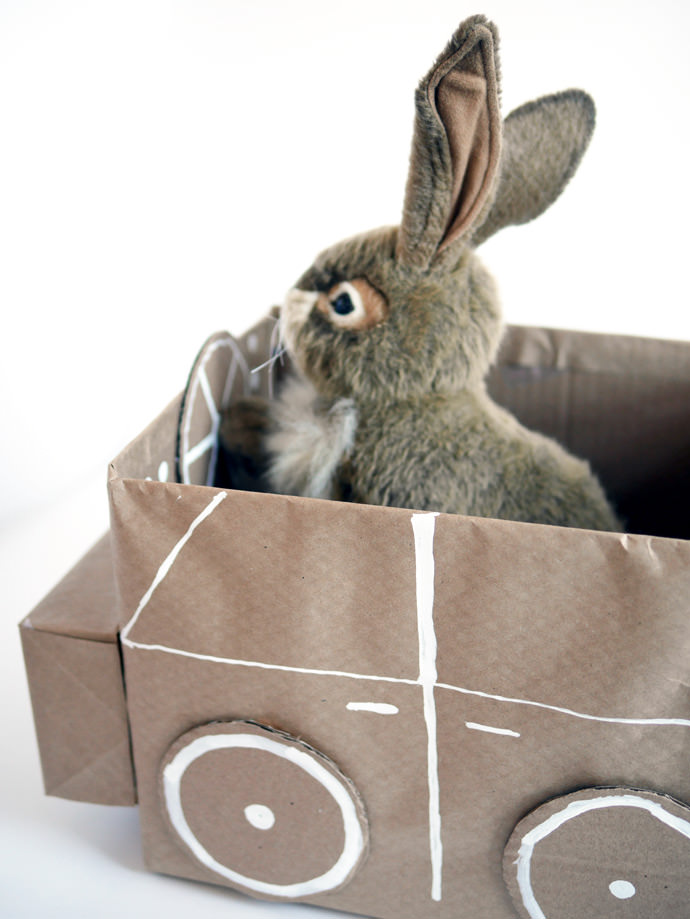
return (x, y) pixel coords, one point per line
(394, 713)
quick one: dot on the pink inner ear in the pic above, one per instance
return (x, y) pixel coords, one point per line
(463, 101)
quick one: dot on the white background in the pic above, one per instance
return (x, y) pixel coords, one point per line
(168, 169)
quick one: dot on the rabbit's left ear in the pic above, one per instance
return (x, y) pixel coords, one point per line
(456, 145)
(543, 143)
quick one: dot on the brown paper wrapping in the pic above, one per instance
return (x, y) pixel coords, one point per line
(455, 673)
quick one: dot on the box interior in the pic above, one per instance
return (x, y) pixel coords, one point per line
(617, 401)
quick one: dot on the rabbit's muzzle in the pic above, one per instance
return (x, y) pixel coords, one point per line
(296, 308)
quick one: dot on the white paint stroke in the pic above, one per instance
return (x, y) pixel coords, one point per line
(262, 665)
(236, 662)
(202, 377)
(215, 423)
(260, 817)
(622, 890)
(230, 381)
(423, 526)
(665, 722)
(201, 380)
(170, 560)
(576, 809)
(353, 844)
(473, 726)
(378, 708)
(193, 454)
(315, 671)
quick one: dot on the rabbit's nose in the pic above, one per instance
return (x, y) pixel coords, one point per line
(299, 303)
(297, 306)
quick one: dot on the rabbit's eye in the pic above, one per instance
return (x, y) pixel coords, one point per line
(342, 305)
(354, 305)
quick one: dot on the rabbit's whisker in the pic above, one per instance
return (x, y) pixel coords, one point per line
(277, 355)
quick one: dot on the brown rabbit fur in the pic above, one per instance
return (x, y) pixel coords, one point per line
(392, 332)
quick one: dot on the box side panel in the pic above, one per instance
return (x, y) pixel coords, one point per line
(478, 666)
(619, 402)
(80, 717)
(82, 605)
(151, 455)
(385, 756)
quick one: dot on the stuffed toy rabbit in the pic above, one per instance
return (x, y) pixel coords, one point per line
(392, 332)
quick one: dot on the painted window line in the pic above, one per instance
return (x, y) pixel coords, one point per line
(236, 662)
(423, 526)
(166, 649)
(378, 708)
(473, 726)
(169, 561)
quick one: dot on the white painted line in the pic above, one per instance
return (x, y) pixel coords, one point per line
(353, 843)
(199, 449)
(189, 454)
(169, 561)
(473, 726)
(573, 810)
(262, 665)
(208, 395)
(663, 722)
(423, 526)
(378, 708)
(236, 662)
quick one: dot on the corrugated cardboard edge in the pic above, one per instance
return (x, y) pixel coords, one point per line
(653, 880)
(346, 814)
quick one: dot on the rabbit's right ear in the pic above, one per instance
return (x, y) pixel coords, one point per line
(456, 145)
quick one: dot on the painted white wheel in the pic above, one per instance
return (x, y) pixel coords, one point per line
(599, 851)
(263, 810)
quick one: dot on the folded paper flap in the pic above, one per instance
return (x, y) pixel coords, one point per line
(83, 603)
(99, 780)
(78, 701)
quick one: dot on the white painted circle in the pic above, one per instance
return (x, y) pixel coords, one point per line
(622, 890)
(353, 846)
(260, 816)
(163, 472)
(576, 809)
(199, 388)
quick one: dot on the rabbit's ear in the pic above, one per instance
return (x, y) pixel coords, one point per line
(456, 145)
(543, 143)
